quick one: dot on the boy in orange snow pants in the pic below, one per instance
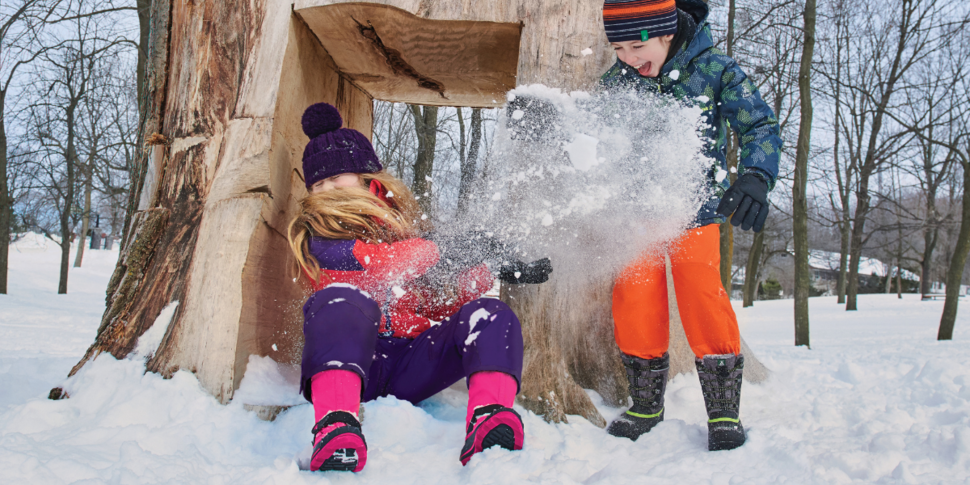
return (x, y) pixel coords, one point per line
(665, 48)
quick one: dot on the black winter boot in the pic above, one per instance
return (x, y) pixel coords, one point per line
(648, 380)
(720, 377)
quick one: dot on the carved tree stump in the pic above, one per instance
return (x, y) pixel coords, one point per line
(221, 173)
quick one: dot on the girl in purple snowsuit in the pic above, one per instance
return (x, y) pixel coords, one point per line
(391, 314)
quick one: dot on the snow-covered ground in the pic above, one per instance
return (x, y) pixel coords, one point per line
(876, 400)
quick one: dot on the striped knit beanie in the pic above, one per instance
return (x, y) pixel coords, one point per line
(639, 19)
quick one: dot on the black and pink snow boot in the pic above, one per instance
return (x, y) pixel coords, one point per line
(720, 377)
(492, 425)
(648, 381)
(342, 447)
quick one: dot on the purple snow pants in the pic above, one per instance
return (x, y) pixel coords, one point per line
(340, 327)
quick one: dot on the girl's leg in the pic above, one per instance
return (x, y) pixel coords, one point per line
(490, 419)
(483, 336)
(483, 342)
(489, 387)
(340, 329)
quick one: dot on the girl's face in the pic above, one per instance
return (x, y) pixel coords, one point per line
(342, 180)
(646, 57)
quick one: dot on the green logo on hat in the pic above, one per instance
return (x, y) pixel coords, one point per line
(644, 36)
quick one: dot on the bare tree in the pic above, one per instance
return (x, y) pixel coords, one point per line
(70, 77)
(844, 177)
(21, 23)
(949, 129)
(469, 160)
(888, 41)
(106, 138)
(930, 163)
(799, 192)
(426, 127)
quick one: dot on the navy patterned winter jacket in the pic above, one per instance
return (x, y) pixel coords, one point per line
(702, 74)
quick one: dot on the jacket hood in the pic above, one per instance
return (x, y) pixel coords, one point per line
(696, 8)
(699, 42)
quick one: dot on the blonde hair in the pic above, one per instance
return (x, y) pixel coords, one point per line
(353, 213)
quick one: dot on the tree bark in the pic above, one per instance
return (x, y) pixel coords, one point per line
(845, 231)
(751, 269)
(889, 278)
(6, 204)
(954, 276)
(86, 211)
(841, 184)
(727, 230)
(70, 158)
(469, 167)
(144, 38)
(931, 225)
(800, 188)
(426, 126)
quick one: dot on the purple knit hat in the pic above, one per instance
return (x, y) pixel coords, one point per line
(334, 150)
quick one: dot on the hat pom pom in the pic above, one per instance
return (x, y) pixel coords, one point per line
(321, 118)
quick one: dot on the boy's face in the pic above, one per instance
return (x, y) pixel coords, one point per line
(342, 180)
(646, 57)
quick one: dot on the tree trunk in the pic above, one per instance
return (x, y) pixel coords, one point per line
(846, 235)
(751, 269)
(469, 167)
(426, 126)
(86, 213)
(144, 37)
(70, 158)
(899, 283)
(842, 184)
(221, 173)
(954, 276)
(930, 236)
(6, 204)
(800, 187)
(889, 278)
(727, 230)
(855, 251)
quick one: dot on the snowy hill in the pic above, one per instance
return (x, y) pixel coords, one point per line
(876, 400)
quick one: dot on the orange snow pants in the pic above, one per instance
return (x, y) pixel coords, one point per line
(640, 305)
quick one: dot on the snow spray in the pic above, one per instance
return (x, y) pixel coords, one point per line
(591, 180)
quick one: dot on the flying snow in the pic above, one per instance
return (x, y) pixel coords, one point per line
(591, 180)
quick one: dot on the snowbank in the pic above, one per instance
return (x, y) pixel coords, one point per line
(877, 400)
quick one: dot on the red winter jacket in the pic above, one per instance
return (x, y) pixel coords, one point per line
(389, 273)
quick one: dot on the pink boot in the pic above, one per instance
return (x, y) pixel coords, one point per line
(338, 443)
(490, 420)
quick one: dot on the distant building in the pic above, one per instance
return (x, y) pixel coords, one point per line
(824, 266)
